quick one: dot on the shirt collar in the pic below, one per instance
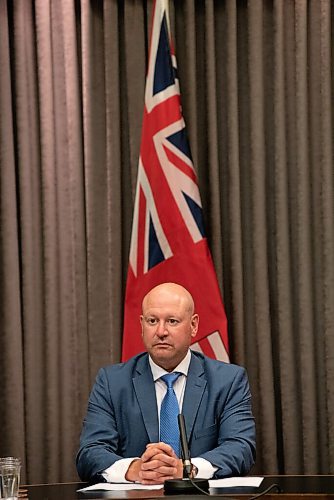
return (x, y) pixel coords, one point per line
(183, 367)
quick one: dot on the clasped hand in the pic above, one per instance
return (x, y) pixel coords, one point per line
(158, 463)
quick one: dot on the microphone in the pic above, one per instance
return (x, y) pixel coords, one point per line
(187, 484)
(187, 465)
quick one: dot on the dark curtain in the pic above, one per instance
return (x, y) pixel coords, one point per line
(257, 89)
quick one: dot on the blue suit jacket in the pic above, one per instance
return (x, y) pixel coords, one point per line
(122, 416)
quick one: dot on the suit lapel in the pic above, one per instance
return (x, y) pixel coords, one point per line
(145, 391)
(196, 384)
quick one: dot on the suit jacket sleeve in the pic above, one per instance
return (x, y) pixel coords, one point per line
(99, 436)
(235, 453)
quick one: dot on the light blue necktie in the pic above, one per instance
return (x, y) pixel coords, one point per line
(169, 428)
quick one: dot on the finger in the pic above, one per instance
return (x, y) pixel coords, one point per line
(164, 471)
(159, 461)
(163, 447)
(156, 449)
(153, 476)
(150, 453)
(161, 458)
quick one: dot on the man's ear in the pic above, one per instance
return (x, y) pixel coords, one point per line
(141, 319)
(194, 324)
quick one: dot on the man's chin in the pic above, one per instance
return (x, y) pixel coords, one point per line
(165, 357)
(162, 352)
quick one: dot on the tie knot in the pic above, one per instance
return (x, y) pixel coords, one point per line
(170, 378)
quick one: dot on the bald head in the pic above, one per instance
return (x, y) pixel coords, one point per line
(168, 291)
(168, 324)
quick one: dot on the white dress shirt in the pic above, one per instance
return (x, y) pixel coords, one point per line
(116, 472)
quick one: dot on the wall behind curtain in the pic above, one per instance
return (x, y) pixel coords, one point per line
(257, 90)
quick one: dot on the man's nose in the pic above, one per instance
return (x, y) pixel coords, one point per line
(161, 328)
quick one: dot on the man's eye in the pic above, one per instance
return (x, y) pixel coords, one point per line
(173, 321)
(151, 321)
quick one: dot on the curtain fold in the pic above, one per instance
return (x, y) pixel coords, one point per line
(257, 86)
(11, 352)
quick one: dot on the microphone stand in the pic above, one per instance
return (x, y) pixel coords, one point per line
(187, 484)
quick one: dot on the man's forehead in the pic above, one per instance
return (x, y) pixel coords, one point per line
(162, 312)
(163, 306)
(164, 301)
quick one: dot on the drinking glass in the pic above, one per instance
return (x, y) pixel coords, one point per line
(10, 468)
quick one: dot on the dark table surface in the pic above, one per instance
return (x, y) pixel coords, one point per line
(292, 487)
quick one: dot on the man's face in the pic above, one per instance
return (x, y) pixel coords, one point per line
(168, 325)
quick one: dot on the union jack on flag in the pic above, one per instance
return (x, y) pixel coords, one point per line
(168, 240)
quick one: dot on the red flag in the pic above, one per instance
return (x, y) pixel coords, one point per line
(168, 242)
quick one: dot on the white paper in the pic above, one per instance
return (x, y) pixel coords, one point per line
(234, 482)
(228, 482)
(122, 487)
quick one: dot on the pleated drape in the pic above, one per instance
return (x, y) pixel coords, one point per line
(257, 93)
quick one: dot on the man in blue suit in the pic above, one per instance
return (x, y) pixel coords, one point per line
(120, 436)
